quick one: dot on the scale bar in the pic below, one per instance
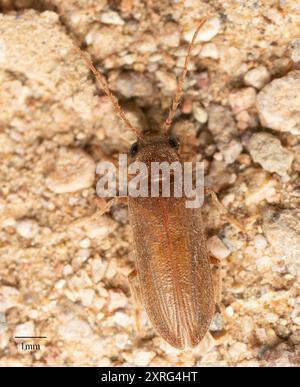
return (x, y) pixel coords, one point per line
(30, 337)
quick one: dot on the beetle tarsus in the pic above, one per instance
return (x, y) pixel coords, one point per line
(136, 296)
(103, 206)
(217, 282)
(223, 210)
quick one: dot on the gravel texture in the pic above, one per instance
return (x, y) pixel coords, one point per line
(63, 270)
(267, 150)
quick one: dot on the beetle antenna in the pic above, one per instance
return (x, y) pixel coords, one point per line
(102, 83)
(180, 83)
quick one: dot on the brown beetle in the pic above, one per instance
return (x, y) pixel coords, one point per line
(173, 271)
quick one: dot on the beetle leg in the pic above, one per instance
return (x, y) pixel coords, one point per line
(135, 292)
(103, 206)
(223, 210)
(188, 156)
(216, 271)
(217, 275)
(134, 286)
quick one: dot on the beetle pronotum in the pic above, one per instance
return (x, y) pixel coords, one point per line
(173, 272)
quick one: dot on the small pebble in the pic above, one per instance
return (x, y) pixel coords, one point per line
(120, 214)
(278, 104)
(272, 318)
(229, 311)
(167, 80)
(111, 17)
(98, 269)
(7, 144)
(84, 254)
(99, 303)
(185, 129)
(94, 226)
(122, 319)
(171, 35)
(244, 159)
(281, 228)
(208, 31)
(217, 324)
(119, 135)
(106, 40)
(238, 351)
(33, 313)
(257, 77)
(231, 61)
(221, 123)
(133, 84)
(27, 228)
(218, 248)
(146, 44)
(206, 345)
(260, 187)
(25, 329)
(9, 298)
(231, 151)
(296, 320)
(75, 329)
(85, 243)
(260, 242)
(200, 113)
(263, 263)
(129, 59)
(218, 156)
(67, 270)
(2, 51)
(242, 99)
(295, 50)
(87, 296)
(187, 106)
(8, 222)
(74, 170)
(122, 340)
(210, 50)
(116, 300)
(142, 358)
(60, 284)
(243, 120)
(3, 325)
(267, 150)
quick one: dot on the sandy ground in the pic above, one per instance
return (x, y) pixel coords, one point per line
(63, 270)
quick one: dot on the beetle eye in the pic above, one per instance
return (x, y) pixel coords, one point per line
(134, 149)
(174, 142)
